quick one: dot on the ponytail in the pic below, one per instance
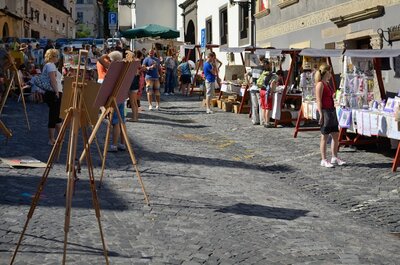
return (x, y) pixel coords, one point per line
(323, 69)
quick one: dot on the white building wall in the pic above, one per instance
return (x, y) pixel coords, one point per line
(179, 20)
(204, 11)
(156, 12)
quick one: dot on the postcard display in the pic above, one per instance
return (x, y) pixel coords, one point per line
(359, 112)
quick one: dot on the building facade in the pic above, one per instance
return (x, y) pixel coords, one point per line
(351, 24)
(37, 18)
(89, 17)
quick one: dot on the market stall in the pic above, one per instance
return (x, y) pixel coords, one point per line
(283, 95)
(199, 63)
(362, 112)
(236, 81)
(312, 58)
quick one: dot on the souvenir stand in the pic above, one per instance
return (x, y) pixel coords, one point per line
(281, 96)
(199, 64)
(361, 113)
(308, 109)
(236, 80)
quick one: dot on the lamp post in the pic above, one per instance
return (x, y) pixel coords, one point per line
(251, 4)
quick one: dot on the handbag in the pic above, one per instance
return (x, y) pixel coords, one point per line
(43, 82)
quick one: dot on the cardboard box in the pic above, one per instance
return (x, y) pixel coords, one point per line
(227, 106)
(214, 102)
(219, 103)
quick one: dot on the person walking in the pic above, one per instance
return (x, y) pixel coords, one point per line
(135, 86)
(153, 70)
(53, 93)
(170, 75)
(210, 73)
(186, 76)
(326, 116)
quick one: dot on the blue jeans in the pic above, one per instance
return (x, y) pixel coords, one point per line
(170, 81)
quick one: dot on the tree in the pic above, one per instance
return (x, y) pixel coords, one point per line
(83, 31)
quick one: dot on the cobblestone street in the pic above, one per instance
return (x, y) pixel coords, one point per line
(222, 191)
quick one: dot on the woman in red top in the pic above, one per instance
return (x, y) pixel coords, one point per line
(326, 115)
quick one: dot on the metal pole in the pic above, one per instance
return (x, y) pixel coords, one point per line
(253, 22)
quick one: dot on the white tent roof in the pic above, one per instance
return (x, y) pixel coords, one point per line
(373, 53)
(321, 52)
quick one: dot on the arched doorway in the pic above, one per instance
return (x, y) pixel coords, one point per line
(190, 37)
(6, 31)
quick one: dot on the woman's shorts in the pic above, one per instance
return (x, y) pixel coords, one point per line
(331, 124)
(186, 79)
(265, 102)
(135, 84)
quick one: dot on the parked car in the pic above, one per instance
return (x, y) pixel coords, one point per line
(43, 42)
(99, 43)
(10, 40)
(32, 41)
(78, 43)
(60, 42)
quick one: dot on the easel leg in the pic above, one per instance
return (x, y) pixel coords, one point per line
(5, 94)
(131, 154)
(93, 190)
(73, 141)
(396, 159)
(24, 105)
(35, 200)
(94, 132)
(103, 164)
(299, 118)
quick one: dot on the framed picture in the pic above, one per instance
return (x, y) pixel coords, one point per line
(251, 60)
(345, 119)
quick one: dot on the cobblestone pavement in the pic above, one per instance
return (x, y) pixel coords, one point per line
(222, 191)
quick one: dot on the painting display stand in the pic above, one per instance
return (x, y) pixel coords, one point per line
(75, 120)
(112, 93)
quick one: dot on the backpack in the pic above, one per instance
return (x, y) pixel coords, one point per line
(264, 79)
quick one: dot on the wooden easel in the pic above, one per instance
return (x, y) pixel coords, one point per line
(107, 111)
(74, 121)
(3, 128)
(14, 75)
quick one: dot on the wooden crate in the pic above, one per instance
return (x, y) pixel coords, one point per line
(219, 103)
(235, 107)
(227, 106)
(214, 102)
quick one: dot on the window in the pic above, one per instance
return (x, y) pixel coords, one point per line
(79, 17)
(79, 2)
(44, 17)
(51, 19)
(223, 26)
(244, 21)
(89, 1)
(209, 31)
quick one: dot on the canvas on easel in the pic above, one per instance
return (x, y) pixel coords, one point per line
(89, 95)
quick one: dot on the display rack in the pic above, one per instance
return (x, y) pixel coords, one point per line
(328, 54)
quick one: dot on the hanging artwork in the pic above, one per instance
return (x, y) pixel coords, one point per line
(396, 66)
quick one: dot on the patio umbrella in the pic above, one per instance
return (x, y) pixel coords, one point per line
(151, 30)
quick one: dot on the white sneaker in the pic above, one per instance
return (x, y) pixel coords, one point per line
(325, 163)
(166, 94)
(121, 147)
(150, 107)
(337, 161)
(157, 107)
(209, 111)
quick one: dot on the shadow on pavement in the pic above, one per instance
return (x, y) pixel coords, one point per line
(18, 190)
(264, 211)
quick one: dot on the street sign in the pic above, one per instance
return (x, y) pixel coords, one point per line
(203, 38)
(112, 20)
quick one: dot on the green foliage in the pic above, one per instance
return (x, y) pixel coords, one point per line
(112, 5)
(83, 31)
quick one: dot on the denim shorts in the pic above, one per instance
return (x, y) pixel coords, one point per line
(115, 119)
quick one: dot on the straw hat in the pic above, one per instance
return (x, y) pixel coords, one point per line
(23, 46)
